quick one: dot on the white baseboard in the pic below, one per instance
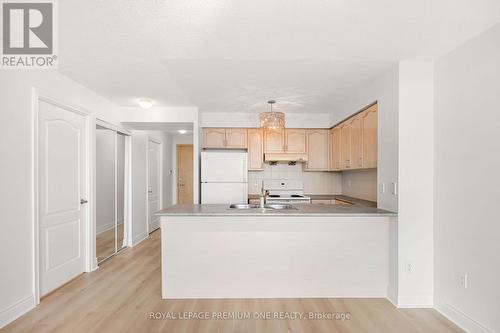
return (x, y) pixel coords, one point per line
(415, 302)
(461, 319)
(16, 310)
(139, 238)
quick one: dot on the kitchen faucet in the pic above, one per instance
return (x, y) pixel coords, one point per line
(263, 196)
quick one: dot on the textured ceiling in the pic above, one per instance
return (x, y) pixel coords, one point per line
(233, 55)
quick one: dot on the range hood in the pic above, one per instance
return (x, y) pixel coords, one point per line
(285, 157)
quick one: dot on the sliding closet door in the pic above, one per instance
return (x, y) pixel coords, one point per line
(105, 193)
(120, 190)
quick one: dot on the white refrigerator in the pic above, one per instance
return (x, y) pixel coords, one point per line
(224, 177)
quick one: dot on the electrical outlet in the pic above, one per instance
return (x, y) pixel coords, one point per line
(409, 267)
(394, 188)
(463, 280)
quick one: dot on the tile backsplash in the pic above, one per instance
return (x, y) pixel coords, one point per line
(314, 182)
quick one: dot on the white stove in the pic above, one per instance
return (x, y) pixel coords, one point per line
(289, 191)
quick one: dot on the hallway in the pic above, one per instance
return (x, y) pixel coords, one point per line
(120, 296)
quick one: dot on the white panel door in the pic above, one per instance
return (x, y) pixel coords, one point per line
(62, 144)
(224, 167)
(154, 185)
(224, 193)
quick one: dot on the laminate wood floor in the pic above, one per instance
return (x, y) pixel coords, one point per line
(121, 295)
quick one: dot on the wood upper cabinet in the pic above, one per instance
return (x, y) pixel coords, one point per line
(236, 138)
(274, 141)
(370, 125)
(255, 149)
(317, 150)
(214, 137)
(295, 140)
(335, 154)
(356, 142)
(345, 145)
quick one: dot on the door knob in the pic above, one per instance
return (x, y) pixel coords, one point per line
(83, 201)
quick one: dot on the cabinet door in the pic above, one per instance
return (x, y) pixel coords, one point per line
(214, 137)
(295, 141)
(255, 149)
(356, 142)
(317, 150)
(335, 159)
(236, 138)
(345, 145)
(370, 137)
(274, 141)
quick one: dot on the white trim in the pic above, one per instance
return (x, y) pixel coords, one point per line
(415, 302)
(89, 191)
(461, 319)
(113, 127)
(160, 180)
(16, 310)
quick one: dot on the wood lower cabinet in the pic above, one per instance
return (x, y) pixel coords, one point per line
(295, 140)
(335, 154)
(230, 138)
(274, 141)
(317, 150)
(255, 149)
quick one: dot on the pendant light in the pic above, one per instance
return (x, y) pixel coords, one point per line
(272, 120)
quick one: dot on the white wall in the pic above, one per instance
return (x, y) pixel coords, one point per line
(385, 90)
(139, 156)
(360, 184)
(16, 193)
(314, 182)
(415, 214)
(293, 120)
(105, 180)
(467, 183)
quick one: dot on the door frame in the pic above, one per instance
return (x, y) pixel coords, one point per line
(177, 170)
(160, 178)
(88, 188)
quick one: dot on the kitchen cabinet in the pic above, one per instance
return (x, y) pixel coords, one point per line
(370, 122)
(255, 149)
(274, 141)
(345, 145)
(356, 142)
(214, 137)
(295, 141)
(290, 140)
(317, 150)
(335, 155)
(236, 138)
(231, 138)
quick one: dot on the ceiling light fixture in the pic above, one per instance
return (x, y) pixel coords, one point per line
(272, 120)
(145, 103)
(182, 131)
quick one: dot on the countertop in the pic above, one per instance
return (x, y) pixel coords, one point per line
(352, 200)
(302, 210)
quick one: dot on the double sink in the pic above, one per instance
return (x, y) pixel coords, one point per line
(267, 206)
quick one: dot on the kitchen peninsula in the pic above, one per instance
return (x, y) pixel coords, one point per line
(308, 251)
